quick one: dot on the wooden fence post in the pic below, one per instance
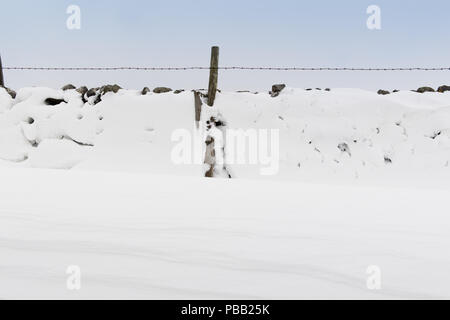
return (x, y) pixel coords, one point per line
(213, 76)
(198, 107)
(2, 82)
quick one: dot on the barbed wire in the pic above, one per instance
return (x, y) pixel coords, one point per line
(223, 68)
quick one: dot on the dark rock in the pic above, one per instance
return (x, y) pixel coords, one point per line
(425, 89)
(98, 99)
(91, 92)
(53, 101)
(109, 88)
(162, 90)
(443, 89)
(395, 91)
(278, 87)
(68, 87)
(217, 122)
(276, 90)
(178, 91)
(145, 91)
(327, 89)
(383, 92)
(82, 90)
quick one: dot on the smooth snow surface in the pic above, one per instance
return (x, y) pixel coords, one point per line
(161, 237)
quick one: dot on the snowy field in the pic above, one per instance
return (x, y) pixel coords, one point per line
(159, 237)
(363, 180)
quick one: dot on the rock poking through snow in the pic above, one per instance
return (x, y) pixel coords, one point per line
(82, 90)
(425, 89)
(443, 89)
(54, 101)
(276, 90)
(161, 90)
(145, 91)
(91, 92)
(109, 88)
(68, 87)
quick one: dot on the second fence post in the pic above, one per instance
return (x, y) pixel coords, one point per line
(213, 76)
(2, 82)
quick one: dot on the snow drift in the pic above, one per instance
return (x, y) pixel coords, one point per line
(346, 134)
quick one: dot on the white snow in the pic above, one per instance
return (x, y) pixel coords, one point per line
(363, 181)
(162, 237)
(126, 131)
(343, 135)
(313, 124)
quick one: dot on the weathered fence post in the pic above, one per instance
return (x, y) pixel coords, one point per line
(213, 76)
(198, 107)
(2, 82)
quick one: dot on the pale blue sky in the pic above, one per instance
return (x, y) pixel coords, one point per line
(252, 33)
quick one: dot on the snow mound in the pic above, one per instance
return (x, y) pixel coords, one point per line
(125, 131)
(339, 134)
(347, 133)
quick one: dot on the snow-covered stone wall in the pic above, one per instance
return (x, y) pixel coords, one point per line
(317, 134)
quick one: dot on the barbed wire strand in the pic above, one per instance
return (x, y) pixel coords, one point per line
(222, 68)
